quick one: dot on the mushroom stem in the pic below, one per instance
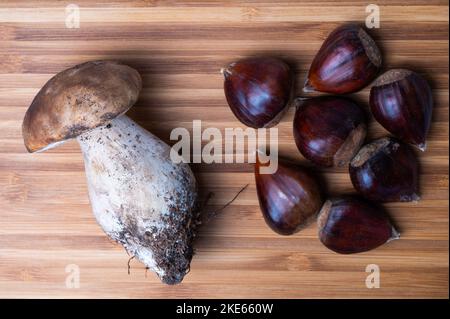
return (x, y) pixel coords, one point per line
(140, 197)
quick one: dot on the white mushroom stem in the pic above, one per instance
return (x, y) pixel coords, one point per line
(140, 197)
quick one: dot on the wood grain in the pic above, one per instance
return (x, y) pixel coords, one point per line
(179, 47)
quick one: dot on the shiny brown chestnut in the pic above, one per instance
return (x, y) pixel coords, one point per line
(329, 130)
(258, 90)
(350, 225)
(402, 102)
(347, 61)
(386, 170)
(289, 199)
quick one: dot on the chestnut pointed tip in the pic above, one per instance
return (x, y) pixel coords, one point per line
(308, 88)
(258, 153)
(415, 198)
(225, 72)
(412, 198)
(422, 146)
(299, 101)
(394, 235)
(258, 162)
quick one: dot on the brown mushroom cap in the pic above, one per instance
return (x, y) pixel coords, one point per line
(77, 100)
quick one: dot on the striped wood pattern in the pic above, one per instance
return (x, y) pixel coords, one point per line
(179, 47)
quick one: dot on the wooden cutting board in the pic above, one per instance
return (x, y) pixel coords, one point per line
(47, 230)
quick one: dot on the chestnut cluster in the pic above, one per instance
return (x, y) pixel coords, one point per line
(330, 131)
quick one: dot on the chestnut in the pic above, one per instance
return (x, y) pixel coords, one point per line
(258, 90)
(347, 61)
(289, 199)
(386, 170)
(350, 225)
(329, 130)
(401, 101)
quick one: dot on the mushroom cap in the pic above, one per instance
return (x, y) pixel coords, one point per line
(79, 99)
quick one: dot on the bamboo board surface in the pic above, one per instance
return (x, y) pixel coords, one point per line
(179, 47)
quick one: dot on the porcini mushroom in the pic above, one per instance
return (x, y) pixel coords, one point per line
(139, 196)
